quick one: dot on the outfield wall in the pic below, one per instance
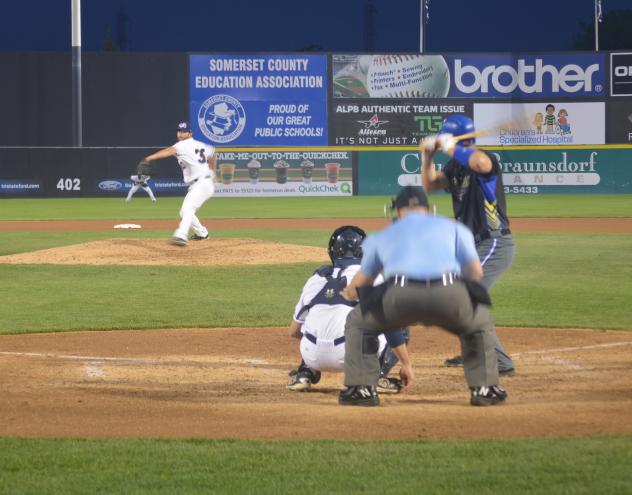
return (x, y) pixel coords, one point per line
(324, 171)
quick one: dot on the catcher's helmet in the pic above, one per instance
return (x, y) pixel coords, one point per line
(457, 125)
(346, 242)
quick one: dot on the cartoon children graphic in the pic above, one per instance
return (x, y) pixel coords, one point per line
(562, 121)
(539, 118)
(549, 119)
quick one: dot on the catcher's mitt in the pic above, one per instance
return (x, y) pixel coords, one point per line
(143, 168)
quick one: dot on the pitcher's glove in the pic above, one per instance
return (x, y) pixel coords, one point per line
(143, 168)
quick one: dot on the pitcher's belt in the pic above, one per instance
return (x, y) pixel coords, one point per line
(195, 180)
(313, 339)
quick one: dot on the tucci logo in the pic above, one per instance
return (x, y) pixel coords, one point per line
(528, 77)
(621, 74)
(110, 185)
(428, 124)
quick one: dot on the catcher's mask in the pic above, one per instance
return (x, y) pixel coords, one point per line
(457, 125)
(346, 243)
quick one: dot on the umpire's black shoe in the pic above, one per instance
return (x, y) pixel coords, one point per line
(488, 396)
(454, 362)
(359, 395)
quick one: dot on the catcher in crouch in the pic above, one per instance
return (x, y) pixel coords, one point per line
(321, 313)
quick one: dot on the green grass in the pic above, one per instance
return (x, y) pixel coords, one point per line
(43, 298)
(556, 280)
(544, 466)
(560, 280)
(305, 207)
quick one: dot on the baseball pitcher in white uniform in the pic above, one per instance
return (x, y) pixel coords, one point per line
(198, 161)
(321, 312)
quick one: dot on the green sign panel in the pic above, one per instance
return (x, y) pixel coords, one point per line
(589, 170)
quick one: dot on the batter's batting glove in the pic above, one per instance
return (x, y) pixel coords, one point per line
(447, 143)
(143, 168)
(429, 144)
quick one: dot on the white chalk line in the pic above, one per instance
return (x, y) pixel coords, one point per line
(261, 361)
(573, 349)
(101, 359)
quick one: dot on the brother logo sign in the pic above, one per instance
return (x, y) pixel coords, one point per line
(572, 75)
(621, 77)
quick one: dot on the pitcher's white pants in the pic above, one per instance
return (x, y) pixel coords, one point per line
(198, 194)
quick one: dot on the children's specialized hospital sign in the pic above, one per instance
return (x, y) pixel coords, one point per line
(259, 100)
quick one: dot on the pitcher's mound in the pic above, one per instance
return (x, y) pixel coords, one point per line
(211, 252)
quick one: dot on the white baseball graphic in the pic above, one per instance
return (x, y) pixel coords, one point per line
(408, 76)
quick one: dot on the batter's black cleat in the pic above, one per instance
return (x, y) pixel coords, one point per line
(488, 396)
(196, 237)
(389, 385)
(359, 395)
(454, 362)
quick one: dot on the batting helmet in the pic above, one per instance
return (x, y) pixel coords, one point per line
(346, 242)
(457, 125)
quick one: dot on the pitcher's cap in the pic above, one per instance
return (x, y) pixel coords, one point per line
(184, 127)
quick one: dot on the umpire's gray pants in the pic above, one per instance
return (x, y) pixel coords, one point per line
(448, 306)
(496, 255)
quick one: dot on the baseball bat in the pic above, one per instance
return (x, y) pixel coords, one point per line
(510, 123)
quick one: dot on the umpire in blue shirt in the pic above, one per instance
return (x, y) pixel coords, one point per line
(432, 270)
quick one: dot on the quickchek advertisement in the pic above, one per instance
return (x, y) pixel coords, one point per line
(295, 173)
(532, 171)
(547, 123)
(259, 100)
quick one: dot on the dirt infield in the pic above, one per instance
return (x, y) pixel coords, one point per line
(230, 383)
(215, 252)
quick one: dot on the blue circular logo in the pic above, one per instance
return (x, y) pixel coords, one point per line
(222, 118)
(110, 185)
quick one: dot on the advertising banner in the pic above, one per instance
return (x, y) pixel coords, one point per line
(527, 76)
(389, 122)
(469, 75)
(548, 123)
(295, 173)
(621, 74)
(620, 121)
(390, 76)
(259, 100)
(529, 171)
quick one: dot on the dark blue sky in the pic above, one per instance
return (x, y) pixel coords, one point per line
(290, 25)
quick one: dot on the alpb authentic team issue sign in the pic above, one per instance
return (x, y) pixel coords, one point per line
(259, 100)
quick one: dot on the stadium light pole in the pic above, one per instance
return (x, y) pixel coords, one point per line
(77, 123)
(422, 22)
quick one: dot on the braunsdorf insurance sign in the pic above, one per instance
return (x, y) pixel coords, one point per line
(259, 100)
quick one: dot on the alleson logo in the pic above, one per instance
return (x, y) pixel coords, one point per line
(570, 78)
